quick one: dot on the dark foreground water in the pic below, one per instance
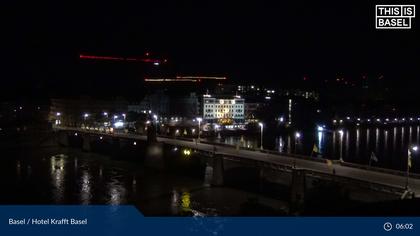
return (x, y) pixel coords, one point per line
(70, 176)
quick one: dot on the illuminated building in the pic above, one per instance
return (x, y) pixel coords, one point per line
(224, 111)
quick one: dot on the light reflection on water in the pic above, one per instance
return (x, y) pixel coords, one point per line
(57, 173)
(354, 145)
(48, 177)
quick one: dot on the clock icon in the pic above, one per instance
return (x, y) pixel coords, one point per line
(387, 226)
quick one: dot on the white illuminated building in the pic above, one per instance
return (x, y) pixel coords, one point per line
(226, 111)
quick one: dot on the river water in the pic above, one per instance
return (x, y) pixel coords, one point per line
(389, 145)
(70, 176)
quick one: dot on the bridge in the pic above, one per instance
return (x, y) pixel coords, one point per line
(372, 178)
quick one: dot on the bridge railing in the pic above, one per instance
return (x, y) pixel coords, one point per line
(379, 169)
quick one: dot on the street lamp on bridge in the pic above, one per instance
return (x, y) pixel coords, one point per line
(297, 137)
(199, 119)
(262, 130)
(409, 163)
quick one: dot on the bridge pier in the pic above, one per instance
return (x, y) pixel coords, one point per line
(154, 156)
(297, 191)
(86, 143)
(151, 134)
(62, 139)
(218, 169)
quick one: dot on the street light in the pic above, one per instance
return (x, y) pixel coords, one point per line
(199, 119)
(341, 132)
(155, 118)
(262, 130)
(414, 148)
(297, 137)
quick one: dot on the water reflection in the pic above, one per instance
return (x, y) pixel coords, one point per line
(347, 143)
(357, 141)
(116, 193)
(410, 133)
(186, 201)
(402, 136)
(18, 169)
(85, 192)
(57, 173)
(394, 139)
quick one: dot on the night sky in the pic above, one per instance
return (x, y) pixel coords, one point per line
(262, 41)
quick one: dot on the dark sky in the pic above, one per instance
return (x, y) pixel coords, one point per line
(266, 41)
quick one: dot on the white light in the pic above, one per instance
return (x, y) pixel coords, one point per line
(348, 117)
(75, 134)
(199, 119)
(378, 120)
(358, 119)
(155, 117)
(281, 119)
(260, 124)
(86, 115)
(105, 113)
(134, 143)
(58, 114)
(320, 128)
(118, 124)
(115, 117)
(156, 63)
(415, 148)
(101, 138)
(334, 121)
(297, 135)
(341, 132)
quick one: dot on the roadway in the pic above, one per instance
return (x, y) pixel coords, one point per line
(381, 178)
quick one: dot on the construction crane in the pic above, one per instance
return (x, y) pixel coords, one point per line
(154, 61)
